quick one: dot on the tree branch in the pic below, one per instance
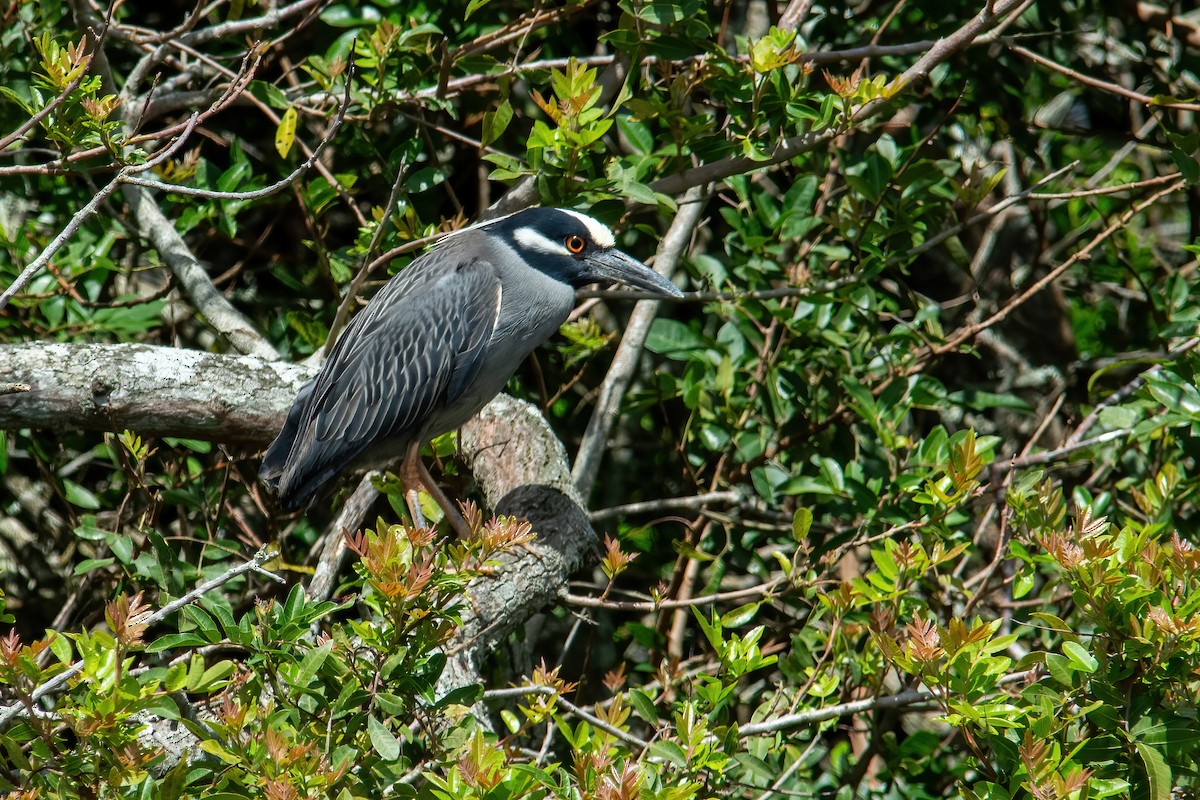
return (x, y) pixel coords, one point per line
(158, 391)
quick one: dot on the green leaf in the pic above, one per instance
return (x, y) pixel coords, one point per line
(215, 748)
(1157, 771)
(269, 93)
(424, 179)
(643, 705)
(61, 647)
(740, 615)
(122, 547)
(496, 122)
(474, 6)
(669, 751)
(801, 523)
(1023, 584)
(204, 623)
(311, 663)
(467, 695)
(382, 740)
(1084, 660)
(712, 630)
(212, 678)
(79, 496)
(195, 445)
(638, 134)
(89, 564)
(1174, 393)
(392, 704)
(674, 339)
(1188, 166)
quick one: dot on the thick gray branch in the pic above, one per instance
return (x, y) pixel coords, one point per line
(157, 391)
(521, 466)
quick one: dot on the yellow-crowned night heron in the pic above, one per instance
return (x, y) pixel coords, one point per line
(438, 342)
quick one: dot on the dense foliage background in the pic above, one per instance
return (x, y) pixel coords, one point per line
(900, 501)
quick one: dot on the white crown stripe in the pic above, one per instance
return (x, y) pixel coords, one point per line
(533, 239)
(598, 233)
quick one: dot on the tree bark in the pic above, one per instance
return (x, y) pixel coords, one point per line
(156, 391)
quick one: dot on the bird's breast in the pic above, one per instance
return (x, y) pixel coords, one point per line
(530, 311)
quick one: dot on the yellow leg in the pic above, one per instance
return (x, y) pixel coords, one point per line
(414, 475)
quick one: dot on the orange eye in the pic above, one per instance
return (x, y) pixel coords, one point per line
(575, 244)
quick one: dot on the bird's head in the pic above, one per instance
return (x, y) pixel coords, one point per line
(575, 249)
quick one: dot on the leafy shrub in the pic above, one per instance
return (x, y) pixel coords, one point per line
(900, 500)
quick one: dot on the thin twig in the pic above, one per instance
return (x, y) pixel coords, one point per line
(266, 191)
(650, 606)
(938, 52)
(899, 700)
(349, 519)
(734, 296)
(986, 214)
(77, 220)
(1125, 391)
(1096, 83)
(360, 278)
(522, 691)
(968, 332)
(690, 502)
(42, 113)
(89, 208)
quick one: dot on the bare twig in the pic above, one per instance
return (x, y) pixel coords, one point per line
(522, 691)
(1125, 391)
(238, 27)
(986, 214)
(42, 113)
(349, 519)
(691, 502)
(733, 296)
(650, 606)
(56, 244)
(899, 700)
(794, 14)
(968, 332)
(266, 191)
(360, 278)
(1096, 83)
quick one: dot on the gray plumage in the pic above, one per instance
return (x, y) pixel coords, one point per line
(440, 340)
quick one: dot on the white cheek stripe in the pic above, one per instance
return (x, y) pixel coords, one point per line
(597, 231)
(533, 240)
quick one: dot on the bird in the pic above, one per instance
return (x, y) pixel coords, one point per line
(439, 341)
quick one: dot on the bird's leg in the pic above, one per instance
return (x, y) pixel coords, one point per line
(452, 514)
(414, 475)
(410, 476)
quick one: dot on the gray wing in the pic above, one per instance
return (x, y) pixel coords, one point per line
(410, 353)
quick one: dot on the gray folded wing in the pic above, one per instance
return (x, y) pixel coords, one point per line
(408, 356)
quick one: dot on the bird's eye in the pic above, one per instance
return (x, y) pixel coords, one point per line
(575, 244)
